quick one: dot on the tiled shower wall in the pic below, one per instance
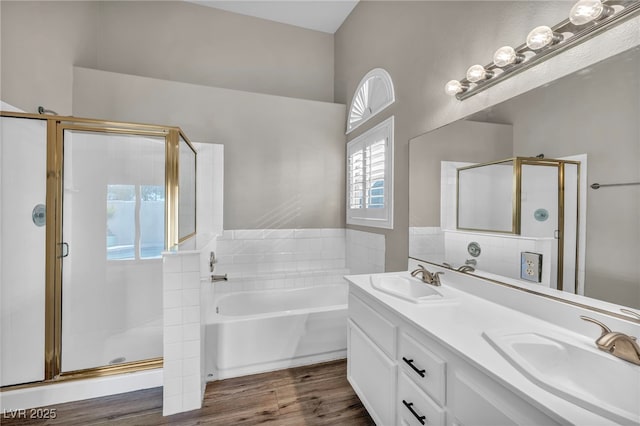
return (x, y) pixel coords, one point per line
(183, 342)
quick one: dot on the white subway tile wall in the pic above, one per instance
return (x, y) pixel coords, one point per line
(427, 243)
(500, 254)
(365, 252)
(263, 259)
(183, 341)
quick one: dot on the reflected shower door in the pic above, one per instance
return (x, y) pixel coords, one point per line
(113, 233)
(540, 216)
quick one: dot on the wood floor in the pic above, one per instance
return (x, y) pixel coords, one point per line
(312, 395)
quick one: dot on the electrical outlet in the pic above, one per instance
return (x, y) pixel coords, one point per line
(531, 266)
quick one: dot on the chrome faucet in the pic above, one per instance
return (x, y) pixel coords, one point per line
(428, 277)
(616, 343)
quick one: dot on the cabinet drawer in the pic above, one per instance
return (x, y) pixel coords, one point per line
(425, 368)
(378, 328)
(415, 407)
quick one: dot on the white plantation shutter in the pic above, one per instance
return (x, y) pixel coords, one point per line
(375, 161)
(369, 177)
(356, 180)
(374, 93)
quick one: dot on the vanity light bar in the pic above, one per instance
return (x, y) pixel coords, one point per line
(587, 19)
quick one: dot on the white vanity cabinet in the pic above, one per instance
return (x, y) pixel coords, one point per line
(404, 377)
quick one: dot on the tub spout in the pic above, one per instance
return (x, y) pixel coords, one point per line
(215, 278)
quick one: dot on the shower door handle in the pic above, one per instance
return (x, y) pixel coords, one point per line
(64, 248)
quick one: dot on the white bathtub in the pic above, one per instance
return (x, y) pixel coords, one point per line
(258, 331)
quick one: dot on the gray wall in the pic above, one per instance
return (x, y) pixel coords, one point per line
(39, 44)
(424, 44)
(466, 141)
(283, 158)
(175, 40)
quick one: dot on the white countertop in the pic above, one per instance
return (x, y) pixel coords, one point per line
(458, 325)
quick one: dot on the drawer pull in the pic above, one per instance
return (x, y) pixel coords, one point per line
(409, 406)
(413, 367)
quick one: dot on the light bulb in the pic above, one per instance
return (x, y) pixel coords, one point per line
(507, 55)
(541, 37)
(454, 87)
(586, 11)
(476, 73)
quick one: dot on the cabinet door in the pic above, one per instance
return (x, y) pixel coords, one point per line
(476, 400)
(372, 375)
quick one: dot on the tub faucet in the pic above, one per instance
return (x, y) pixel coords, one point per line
(428, 277)
(616, 343)
(215, 278)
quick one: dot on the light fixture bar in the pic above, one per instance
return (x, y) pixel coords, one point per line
(579, 35)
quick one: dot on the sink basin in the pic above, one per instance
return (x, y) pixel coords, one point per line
(575, 371)
(407, 288)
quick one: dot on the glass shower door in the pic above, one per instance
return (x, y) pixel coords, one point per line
(113, 233)
(540, 216)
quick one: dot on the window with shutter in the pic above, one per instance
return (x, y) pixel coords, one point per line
(370, 177)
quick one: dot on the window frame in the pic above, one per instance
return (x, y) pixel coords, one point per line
(382, 76)
(373, 217)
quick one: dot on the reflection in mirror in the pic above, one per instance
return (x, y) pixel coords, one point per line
(536, 201)
(486, 197)
(187, 191)
(590, 116)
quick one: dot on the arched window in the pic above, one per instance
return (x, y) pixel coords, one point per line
(374, 93)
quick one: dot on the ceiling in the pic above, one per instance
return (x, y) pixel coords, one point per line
(319, 15)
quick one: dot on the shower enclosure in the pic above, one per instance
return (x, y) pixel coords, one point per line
(88, 206)
(535, 198)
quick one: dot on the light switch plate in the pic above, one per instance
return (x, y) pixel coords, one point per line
(531, 266)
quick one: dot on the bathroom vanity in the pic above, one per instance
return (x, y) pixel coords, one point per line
(448, 356)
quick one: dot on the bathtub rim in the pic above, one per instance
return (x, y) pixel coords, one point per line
(215, 318)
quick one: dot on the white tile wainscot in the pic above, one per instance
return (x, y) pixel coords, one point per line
(183, 342)
(268, 259)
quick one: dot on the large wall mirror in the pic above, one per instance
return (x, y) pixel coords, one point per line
(591, 117)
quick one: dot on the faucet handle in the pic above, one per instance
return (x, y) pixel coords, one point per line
(604, 328)
(212, 261)
(630, 313)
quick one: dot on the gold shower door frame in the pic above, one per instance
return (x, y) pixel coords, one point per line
(518, 162)
(56, 125)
